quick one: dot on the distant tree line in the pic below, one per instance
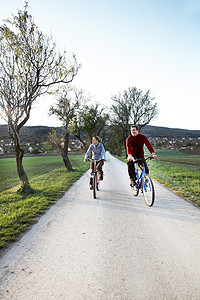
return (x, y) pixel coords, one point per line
(32, 66)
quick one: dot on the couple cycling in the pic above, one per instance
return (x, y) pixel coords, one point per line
(135, 149)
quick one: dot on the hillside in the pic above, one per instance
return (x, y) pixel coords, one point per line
(28, 133)
(40, 133)
(156, 131)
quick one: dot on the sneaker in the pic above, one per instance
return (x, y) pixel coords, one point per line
(132, 183)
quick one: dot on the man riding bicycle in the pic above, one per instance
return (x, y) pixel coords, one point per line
(135, 150)
(98, 154)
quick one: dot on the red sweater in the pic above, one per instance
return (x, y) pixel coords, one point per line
(135, 145)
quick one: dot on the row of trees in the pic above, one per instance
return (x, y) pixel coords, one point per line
(31, 66)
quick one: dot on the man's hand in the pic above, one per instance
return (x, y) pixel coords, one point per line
(130, 158)
(85, 161)
(154, 155)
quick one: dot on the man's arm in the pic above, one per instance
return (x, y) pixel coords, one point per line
(128, 147)
(150, 148)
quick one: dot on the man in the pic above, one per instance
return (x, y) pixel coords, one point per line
(135, 150)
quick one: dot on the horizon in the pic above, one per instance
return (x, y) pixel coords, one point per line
(175, 128)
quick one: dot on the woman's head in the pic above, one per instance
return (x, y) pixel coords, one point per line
(95, 140)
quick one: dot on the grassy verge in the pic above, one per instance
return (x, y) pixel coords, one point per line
(18, 210)
(178, 171)
(34, 166)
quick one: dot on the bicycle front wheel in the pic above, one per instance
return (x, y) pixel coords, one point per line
(97, 182)
(148, 190)
(94, 186)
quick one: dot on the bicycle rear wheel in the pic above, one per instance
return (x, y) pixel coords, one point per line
(148, 190)
(94, 186)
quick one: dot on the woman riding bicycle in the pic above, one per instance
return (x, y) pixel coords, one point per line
(98, 154)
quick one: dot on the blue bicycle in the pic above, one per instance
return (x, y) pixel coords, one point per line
(143, 183)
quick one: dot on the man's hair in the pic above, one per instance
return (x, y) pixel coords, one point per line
(136, 127)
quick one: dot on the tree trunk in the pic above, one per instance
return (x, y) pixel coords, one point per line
(20, 170)
(65, 152)
(66, 161)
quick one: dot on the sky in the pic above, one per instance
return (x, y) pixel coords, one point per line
(149, 44)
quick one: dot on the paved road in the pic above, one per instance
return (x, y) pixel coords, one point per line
(114, 247)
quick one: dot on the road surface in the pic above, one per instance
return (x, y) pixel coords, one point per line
(114, 247)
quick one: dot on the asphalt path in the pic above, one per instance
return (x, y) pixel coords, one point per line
(114, 247)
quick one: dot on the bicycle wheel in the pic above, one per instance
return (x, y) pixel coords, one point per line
(148, 191)
(135, 189)
(97, 182)
(94, 186)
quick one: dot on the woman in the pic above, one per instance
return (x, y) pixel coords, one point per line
(98, 153)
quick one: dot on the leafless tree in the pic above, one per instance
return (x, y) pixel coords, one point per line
(69, 102)
(30, 65)
(132, 107)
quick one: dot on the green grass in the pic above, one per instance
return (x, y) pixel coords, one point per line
(49, 181)
(178, 171)
(34, 166)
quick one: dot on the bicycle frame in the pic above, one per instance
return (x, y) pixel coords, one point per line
(144, 183)
(95, 177)
(140, 177)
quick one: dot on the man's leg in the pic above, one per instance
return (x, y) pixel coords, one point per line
(144, 163)
(131, 171)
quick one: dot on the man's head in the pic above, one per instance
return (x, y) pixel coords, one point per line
(134, 130)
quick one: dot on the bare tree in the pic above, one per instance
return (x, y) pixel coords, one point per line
(132, 107)
(69, 101)
(29, 65)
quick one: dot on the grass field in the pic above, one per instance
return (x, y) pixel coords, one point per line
(49, 181)
(34, 167)
(178, 171)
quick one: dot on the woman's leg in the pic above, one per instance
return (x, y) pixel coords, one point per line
(99, 168)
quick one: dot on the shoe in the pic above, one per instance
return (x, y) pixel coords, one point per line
(132, 183)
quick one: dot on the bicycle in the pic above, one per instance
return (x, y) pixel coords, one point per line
(144, 184)
(95, 176)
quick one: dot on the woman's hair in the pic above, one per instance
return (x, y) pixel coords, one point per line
(97, 138)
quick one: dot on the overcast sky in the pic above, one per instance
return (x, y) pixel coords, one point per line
(151, 44)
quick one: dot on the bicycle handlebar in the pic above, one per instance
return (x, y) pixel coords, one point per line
(90, 159)
(139, 159)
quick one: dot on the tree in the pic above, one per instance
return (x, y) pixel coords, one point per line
(132, 107)
(94, 120)
(64, 110)
(78, 118)
(29, 65)
(114, 139)
(77, 121)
